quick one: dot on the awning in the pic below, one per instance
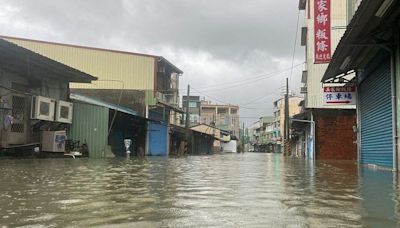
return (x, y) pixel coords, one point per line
(296, 125)
(31, 64)
(208, 130)
(369, 31)
(94, 101)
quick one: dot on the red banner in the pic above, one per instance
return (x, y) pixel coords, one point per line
(322, 31)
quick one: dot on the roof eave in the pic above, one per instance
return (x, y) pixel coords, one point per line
(351, 45)
(175, 68)
(21, 55)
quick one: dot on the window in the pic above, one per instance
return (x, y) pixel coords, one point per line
(192, 104)
(303, 36)
(222, 110)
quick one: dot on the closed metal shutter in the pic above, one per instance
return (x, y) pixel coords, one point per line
(376, 118)
(158, 139)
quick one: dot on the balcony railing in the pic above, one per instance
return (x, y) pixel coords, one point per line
(170, 99)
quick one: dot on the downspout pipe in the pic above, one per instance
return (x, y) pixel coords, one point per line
(312, 124)
(313, 136)
(358, 114)
(393, 71)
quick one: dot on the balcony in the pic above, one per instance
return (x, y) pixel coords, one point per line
(170, 99)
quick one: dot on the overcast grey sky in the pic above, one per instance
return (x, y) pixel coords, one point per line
(233, 51)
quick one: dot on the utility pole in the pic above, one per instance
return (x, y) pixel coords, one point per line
(286, 120)
(187, 119)
(243, 138)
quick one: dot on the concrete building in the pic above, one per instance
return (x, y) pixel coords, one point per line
(261, 134)
(194, 109)
(312, 75)
(224, 117)
(147, 84)
(376, 60)
(324, 25)
(254, 135)
(279, 117)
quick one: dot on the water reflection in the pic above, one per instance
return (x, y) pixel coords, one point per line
(252, 190)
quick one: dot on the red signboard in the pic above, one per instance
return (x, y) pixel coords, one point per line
(322, 31)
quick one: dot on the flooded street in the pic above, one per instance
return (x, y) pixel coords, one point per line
(231, 190)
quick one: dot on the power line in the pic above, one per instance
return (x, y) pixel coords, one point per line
(238, 83)
(223, 102)
(250, 117)
(294, 46)
(209, 96)
(252, 81)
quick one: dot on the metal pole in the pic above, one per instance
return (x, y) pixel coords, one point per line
(393, 70)
(358, 114)
(313, 135)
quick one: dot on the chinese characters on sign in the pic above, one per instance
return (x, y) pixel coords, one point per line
(340, 95)
(322, 31)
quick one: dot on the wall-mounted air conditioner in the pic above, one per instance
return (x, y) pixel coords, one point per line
(43, 108)
(53, 141)
(64, 112)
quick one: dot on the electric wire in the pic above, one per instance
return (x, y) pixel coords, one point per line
(240, 83)
(223, 102)
(294, 46)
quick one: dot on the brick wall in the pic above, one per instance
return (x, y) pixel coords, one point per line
(334, 134)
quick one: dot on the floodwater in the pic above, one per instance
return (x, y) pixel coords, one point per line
(231, 190)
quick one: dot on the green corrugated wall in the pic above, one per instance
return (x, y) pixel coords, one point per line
(90, 124)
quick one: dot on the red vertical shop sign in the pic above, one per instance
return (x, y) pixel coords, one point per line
(322, 31)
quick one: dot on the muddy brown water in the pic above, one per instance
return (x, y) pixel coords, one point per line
(231, 190)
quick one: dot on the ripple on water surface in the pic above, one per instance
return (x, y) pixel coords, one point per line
(249, 190)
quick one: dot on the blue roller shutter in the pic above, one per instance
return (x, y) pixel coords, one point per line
(158, 138)
(376, 118)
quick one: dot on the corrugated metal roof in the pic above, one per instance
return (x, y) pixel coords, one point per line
(94, 101)
(359, 40)
(114, 69)
(20, 59)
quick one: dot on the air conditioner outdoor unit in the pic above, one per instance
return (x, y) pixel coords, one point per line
(43, 108)
(64, 112)
(53, 141)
